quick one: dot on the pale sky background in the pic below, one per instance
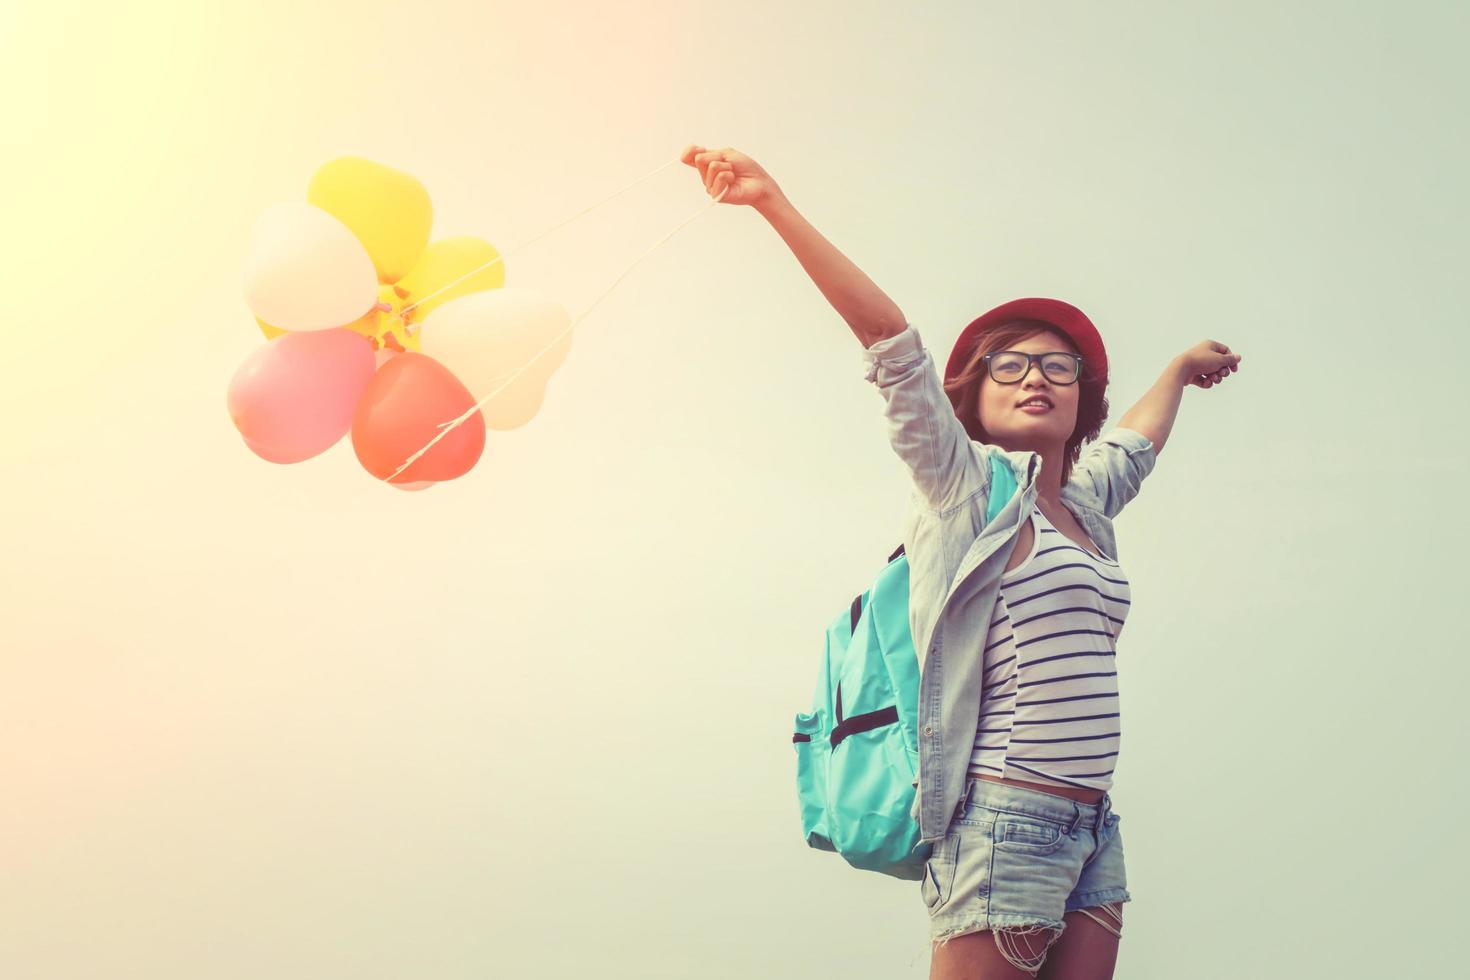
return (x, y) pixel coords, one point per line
(284, 721)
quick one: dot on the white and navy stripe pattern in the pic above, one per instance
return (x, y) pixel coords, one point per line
(1049, 710)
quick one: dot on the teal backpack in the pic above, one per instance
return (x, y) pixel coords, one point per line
(857, 750)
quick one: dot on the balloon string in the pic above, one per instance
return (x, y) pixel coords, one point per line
(413, 328)
(452, 424)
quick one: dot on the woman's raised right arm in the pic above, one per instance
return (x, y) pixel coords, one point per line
(945, 465)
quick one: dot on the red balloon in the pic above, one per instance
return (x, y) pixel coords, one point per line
(400, 413)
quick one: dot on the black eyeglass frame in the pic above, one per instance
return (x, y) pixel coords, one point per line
(1034, 359)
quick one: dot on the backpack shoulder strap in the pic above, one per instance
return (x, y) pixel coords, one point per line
(1002, 485)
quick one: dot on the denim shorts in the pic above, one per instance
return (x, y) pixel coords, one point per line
(1017, 857)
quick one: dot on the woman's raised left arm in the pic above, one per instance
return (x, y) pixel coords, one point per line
(1204, 365)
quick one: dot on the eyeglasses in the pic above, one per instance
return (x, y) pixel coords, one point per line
(1008, 367)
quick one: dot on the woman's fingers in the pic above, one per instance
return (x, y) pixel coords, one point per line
(699, 158)
(711, 164)
(1212, 378)
(719, 175)
(708, 158)
(707, 162)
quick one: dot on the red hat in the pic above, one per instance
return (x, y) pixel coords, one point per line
(1065, 317)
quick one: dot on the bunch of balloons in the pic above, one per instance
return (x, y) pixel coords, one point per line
(372, 328)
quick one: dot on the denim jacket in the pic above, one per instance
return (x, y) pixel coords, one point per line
(956, 559)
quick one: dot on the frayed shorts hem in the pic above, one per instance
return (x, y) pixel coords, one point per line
(944, 935)
(941, 934)
(1119, 895)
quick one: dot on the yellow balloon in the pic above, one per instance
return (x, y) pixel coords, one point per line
(442, 263)
(375, 324)
(387, 209)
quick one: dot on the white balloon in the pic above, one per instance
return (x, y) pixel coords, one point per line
(487, 336)
(307, 270)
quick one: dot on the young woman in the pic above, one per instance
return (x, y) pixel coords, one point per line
(1015, 619)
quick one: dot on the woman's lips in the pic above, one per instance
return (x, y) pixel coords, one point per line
(1035, 409)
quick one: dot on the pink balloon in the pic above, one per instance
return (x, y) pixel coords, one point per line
(293, 398)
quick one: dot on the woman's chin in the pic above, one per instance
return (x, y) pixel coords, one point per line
(1028, 438)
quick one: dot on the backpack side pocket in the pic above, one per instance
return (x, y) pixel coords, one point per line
(812, 740)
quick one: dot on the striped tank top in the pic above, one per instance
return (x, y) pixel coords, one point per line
(1049, 710)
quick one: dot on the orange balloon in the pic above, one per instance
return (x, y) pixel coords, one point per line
(399, 414)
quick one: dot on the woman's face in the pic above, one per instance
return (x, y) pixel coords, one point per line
(1015, 427)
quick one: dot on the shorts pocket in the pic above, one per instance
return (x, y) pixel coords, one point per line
(1028, 835)
(1109, 827)
(939, 872)
(930, 889)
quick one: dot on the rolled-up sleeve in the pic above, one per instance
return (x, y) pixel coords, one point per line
(1117, 464)
(946, 466)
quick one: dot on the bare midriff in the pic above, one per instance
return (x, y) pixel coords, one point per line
(1078, 793)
